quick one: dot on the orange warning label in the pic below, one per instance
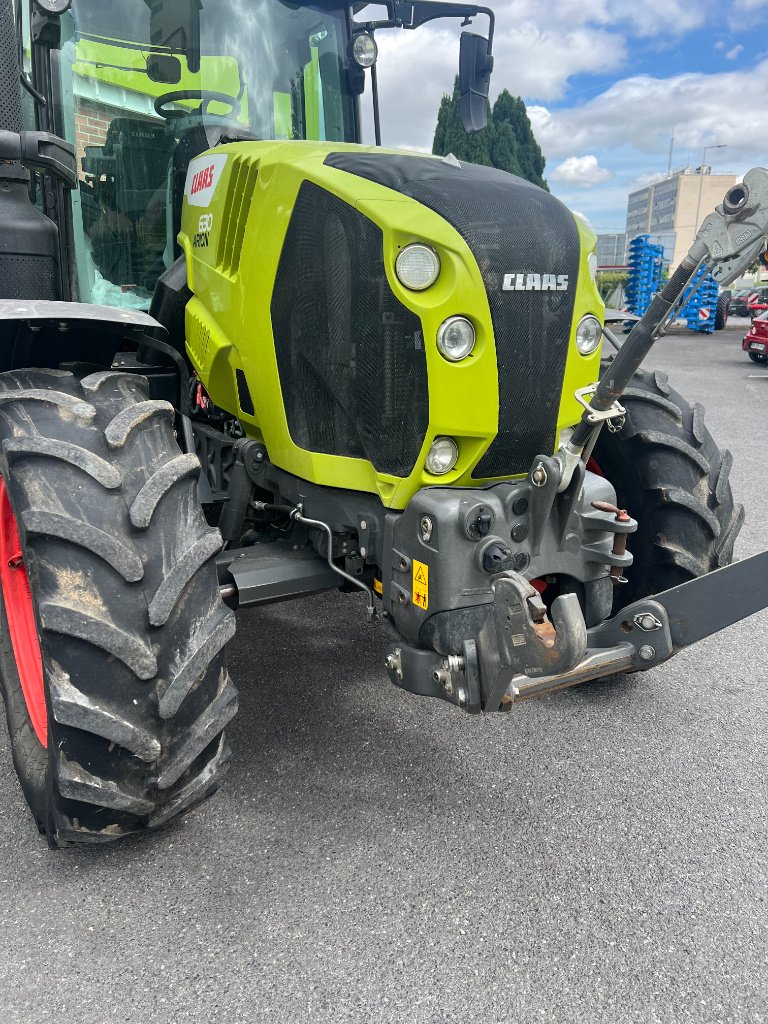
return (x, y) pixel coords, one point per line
(421, 585)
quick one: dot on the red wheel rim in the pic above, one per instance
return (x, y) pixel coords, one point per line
(20, 614)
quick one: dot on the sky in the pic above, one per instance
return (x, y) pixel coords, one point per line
(607, 84)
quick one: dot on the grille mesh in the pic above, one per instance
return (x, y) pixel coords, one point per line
(243, 393)
(29, 277)
(10, 93)
(351, 357)
(511, 227)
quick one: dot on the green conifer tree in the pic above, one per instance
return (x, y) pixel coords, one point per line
(443, 118)
(511, 120)
(507, 143)
(451, 136)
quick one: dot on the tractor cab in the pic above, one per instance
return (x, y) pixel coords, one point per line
(141, 87)
(145, 87)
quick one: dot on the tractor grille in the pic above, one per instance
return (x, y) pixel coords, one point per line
(351, 358)
(512, 227)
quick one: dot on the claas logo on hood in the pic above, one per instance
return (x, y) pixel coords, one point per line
(535, 283)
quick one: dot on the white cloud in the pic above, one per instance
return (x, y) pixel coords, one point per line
(417, 68)
(584, 171)
(539, 48)
(754, 10)
(537, 62)
(643, 112)
(734, 52)
(626, 128)
(649, 18)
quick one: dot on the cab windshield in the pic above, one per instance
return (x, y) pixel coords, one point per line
(149, 84)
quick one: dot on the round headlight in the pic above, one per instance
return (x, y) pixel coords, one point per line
(417, 267)
(588, 335)
(456, 338)
(442, 456)
(364, 50)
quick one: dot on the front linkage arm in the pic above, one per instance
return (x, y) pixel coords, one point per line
(728, 241)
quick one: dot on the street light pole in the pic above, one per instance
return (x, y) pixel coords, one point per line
(701, 181)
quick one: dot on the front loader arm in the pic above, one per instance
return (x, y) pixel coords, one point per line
(727, 242)
(651, 630)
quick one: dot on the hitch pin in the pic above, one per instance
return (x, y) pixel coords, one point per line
(620, 539)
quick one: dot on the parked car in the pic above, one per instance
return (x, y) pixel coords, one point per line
(757, 301)
(755, 342)
(738, 304)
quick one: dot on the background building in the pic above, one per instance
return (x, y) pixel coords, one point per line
(612, 251)
(667, 209)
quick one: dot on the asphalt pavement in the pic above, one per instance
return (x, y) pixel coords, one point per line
(596, 856)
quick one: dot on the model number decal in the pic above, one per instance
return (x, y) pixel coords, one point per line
(535, 283)
(204, 225)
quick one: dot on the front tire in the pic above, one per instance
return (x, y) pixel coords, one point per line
(124, 599)
(671, 476)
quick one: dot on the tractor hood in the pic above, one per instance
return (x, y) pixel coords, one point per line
(311, 233)
(528, 250)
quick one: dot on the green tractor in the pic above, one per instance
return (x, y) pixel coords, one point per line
(247, 359)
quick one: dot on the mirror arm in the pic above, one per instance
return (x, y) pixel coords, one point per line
(424, 12)
(417, 13)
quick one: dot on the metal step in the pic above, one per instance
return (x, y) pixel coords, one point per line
(265, 573)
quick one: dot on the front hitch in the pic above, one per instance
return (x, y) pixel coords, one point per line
(523, 664)
(519, 638)
(520, 653)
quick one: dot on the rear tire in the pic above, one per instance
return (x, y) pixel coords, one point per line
(756, 357)
(130, 622)
(671, 476)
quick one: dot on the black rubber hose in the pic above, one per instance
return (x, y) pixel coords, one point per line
(639, 342)
(11, 118)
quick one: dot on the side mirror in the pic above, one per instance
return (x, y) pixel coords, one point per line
(475, 67)
(164, 68)
(175, 24)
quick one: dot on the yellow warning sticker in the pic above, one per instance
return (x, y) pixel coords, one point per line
(421, 585)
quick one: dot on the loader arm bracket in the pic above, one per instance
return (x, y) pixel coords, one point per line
(727, 242)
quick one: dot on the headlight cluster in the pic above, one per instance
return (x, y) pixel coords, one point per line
(365, 51)
(442, 456)
(417, 267)
(588, 334)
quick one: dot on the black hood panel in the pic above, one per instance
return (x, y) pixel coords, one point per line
(512, 227)
(353, 370)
